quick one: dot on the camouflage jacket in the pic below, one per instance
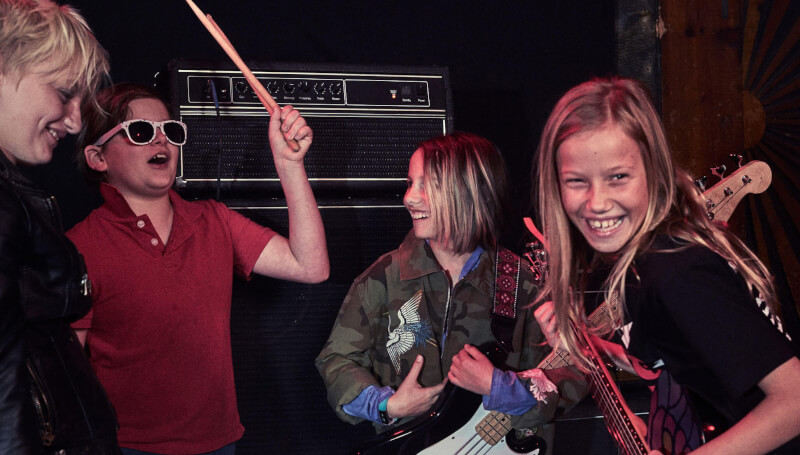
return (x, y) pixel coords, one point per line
(407, 286)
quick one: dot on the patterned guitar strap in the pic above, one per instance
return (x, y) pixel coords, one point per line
(504, 315)
(672, 426)
(506, 287)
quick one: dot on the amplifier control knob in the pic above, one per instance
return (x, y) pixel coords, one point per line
(320, 87)
(336, 88)
(303, 86)
(241, 87)
(289, 87)
(272, 87)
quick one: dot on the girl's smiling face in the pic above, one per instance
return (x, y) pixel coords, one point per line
(603, 186)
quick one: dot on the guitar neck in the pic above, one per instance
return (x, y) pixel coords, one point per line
(559, 357)
(619, 418)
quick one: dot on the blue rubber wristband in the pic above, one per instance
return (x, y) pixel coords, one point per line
(382, 412)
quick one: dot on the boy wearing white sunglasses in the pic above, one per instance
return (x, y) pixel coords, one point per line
(162, 270)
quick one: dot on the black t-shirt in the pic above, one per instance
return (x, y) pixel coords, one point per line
(690, 310)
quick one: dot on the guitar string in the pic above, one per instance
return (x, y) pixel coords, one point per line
(626, 432)
(466, 443)
(478, 447)
(619, 422)
(603, 396)
(727, 199)
(618, 429)
(475, 446)
(493, 427)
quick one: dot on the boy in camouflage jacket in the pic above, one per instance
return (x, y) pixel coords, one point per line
(409, 304)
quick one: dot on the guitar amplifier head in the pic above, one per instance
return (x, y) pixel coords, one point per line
(367, 122)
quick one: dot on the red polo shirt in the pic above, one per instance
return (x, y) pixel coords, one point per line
(160, 326)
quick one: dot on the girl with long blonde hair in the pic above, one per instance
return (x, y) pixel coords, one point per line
(694, 301)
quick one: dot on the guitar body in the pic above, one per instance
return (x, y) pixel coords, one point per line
(465, 440)
(450, 427)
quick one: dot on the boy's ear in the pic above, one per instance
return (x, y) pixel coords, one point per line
(94, 158)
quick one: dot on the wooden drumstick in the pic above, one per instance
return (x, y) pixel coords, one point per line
(261, 92)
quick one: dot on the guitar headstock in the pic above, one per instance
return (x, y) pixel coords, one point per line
(537, 258)
(721, 200)
(536, 252)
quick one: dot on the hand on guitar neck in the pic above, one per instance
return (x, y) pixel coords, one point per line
(411, 399)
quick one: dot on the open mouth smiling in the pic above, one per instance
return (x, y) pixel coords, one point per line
(158, 158)
(604, 226)
(55, 134)
(418, 215)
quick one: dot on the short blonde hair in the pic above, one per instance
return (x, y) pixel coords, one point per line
(467, 189)
(33, 34)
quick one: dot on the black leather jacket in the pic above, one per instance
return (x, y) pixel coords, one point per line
(50, 400)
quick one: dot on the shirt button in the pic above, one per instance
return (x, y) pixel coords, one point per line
(140, 223)
(154, 241)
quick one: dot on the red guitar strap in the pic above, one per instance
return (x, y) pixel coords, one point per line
(506, 289)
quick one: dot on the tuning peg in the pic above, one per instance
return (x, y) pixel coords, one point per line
(719, 171)
(738, 158)
(701, 182)
(537, 256)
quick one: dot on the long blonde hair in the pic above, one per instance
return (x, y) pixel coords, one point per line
(675, 207)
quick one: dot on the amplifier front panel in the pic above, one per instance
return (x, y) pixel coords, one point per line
(367, 123)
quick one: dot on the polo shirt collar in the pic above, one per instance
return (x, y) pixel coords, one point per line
(117, 208)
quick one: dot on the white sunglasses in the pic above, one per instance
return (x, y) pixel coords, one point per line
(143, 132)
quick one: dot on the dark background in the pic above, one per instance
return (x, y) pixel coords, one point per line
(508, 63)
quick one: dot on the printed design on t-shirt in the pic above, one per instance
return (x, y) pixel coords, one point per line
(625, 332)
(411, 330)
(764, 307)
(773, 318)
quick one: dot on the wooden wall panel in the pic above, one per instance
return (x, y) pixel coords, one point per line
(701, 81)
(731, 85)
